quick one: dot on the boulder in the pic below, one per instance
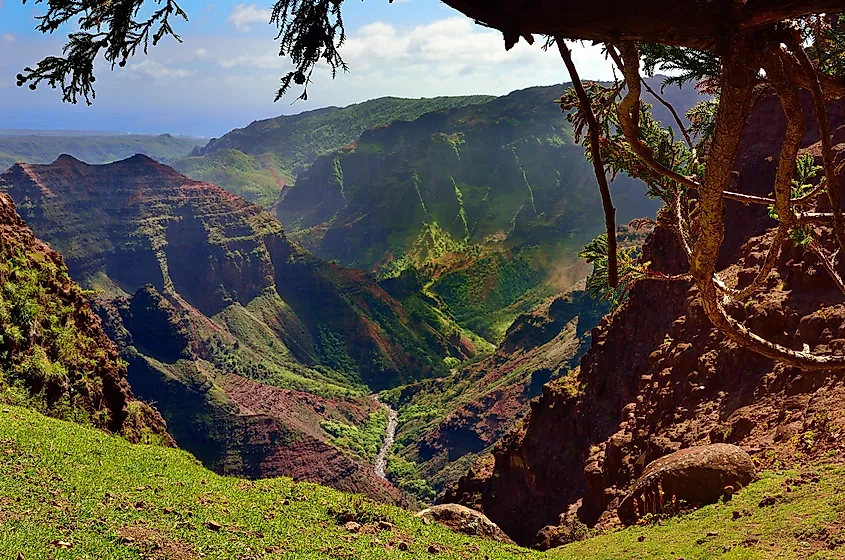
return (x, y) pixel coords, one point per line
(462, 519)
(697, 475)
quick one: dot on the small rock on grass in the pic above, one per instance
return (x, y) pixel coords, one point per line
(213, 525)
(352, 526)
(768, 501)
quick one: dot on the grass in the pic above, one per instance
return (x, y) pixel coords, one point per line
(60, 483)
(805, 522)
(70, 492)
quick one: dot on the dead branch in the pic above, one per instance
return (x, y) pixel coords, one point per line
(677, 117)
(598, 164)
(827, 264)
(749, 199)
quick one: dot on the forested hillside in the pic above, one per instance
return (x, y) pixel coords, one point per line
(490, 203)
(258, 161)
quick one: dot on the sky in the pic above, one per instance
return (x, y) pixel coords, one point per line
(226, 71)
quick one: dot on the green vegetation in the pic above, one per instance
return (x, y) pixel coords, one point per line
(332, 349)
(51, 356)
(490, 202)
(90, 495)
(404, 475)
(257, 179)
(488, 285)
(18, 147)
(111, 500)
(255, 162)
(362, 442)
(46, 361)
(598, 284)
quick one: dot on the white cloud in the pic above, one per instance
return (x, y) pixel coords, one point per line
(238, 76)
(152, 69)
(243, 16)
(453, 55)
(8, 37)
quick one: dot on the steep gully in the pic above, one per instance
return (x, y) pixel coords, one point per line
(389, 435)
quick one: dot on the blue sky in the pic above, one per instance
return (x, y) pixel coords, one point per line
(225, 73)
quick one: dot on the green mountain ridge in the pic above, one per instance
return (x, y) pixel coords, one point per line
(258, 161)
(491, 202)
(32, 147)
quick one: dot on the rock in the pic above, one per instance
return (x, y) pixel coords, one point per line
(768, 501)
(352, 526)
(751, 541)
(213, 525)
(697, 475)
(462, 519)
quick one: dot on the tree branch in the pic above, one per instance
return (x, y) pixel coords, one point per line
(598, 164)
(820, 105)
(629, 113)
(827, 264)
(738, 79)
(677, 117)
(748, 198)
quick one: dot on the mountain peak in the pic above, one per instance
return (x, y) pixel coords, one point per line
(68, 160)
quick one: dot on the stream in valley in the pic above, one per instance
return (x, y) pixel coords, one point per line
(389, 434)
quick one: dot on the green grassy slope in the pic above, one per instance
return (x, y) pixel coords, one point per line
(60, 483)
(69, 492)
(255, 161)
(22, 148)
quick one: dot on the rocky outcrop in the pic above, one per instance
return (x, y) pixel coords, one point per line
(52, 344)
(542, 462)
(659, 378)
(461, 519)
(697, 475)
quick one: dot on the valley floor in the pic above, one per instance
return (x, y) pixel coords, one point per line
(70, 492)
